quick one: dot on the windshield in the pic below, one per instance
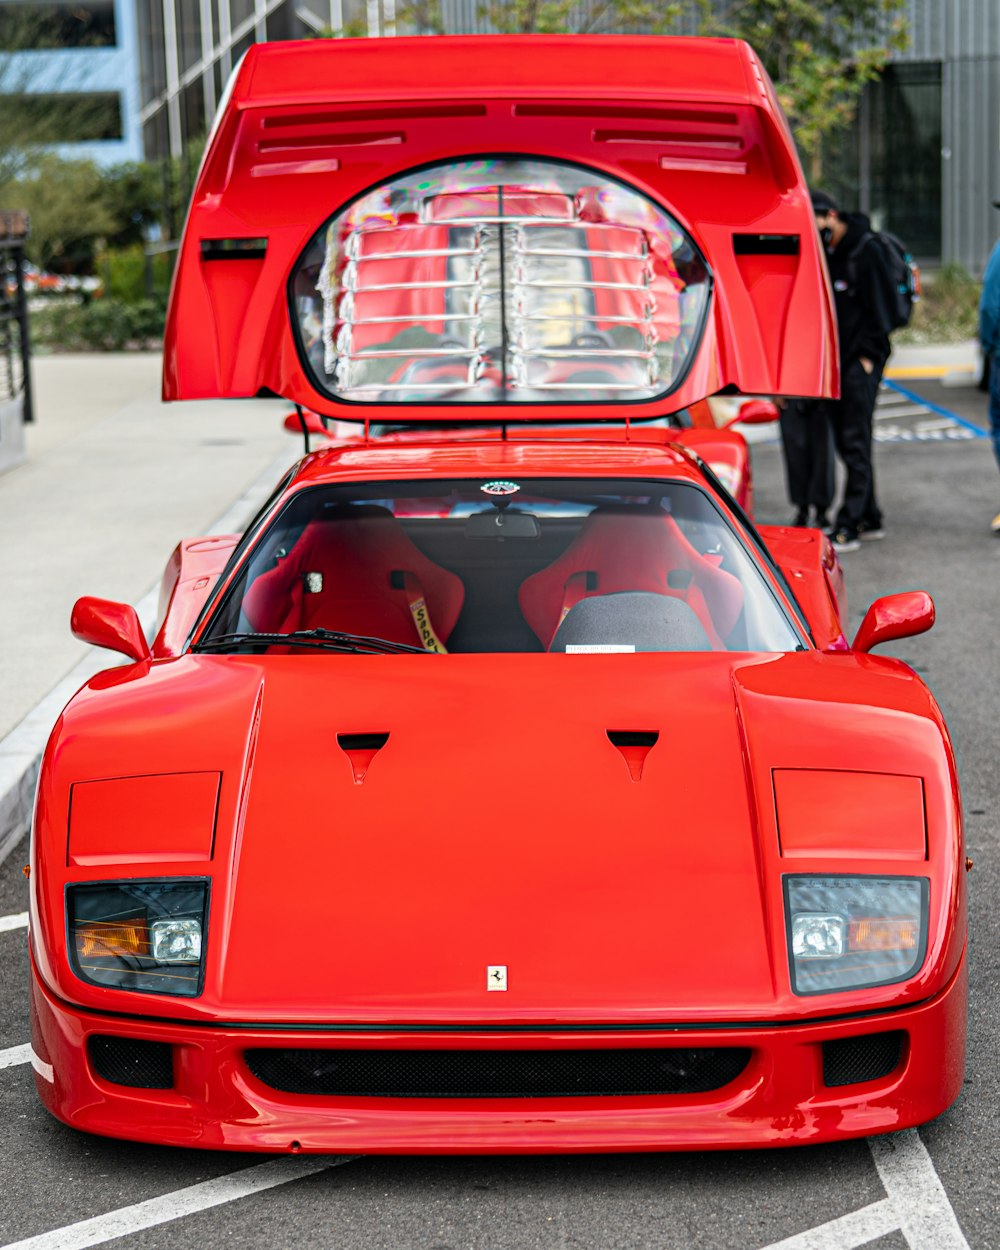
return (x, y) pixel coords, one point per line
(500, 281)
(564, 565)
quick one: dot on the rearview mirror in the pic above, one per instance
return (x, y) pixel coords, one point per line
(498, 526)
(115, 626)
(895, 616)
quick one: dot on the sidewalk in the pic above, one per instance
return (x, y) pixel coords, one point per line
(114, 478)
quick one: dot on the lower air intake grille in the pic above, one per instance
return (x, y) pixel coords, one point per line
(126, 1061)
(852, 1060)
(496, 1073)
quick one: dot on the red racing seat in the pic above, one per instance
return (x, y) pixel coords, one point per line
(631, 550)
(354, 569)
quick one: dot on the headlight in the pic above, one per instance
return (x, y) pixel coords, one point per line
(847, 932)
(139, 935)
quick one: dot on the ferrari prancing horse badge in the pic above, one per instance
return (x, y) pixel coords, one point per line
(496, 976)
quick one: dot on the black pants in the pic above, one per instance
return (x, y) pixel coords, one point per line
(851, 418)
(808, 447)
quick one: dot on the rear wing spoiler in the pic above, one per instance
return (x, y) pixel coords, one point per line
(692, 124)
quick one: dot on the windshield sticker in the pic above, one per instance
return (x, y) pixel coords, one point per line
(499, 489)
(599, 648)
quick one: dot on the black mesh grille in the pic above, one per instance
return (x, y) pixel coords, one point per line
(127, 1061)
(496, 1073)
(854, 1059)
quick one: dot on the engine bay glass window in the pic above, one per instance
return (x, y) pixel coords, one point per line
(500, 281)
(851, 932)
(501, 565)
(139, 935)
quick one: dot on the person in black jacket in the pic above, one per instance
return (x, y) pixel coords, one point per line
(808, 447)
(861, 287)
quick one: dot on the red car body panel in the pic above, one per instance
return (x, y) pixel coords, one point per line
(589, 877)
(188, 581)
(694, 124)
(725, 451)
(809, 562)
(350, 833)
(378, 836)
(780, 1100)
(410, 880)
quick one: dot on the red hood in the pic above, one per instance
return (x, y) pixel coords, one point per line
(692, 124)
(498, 827)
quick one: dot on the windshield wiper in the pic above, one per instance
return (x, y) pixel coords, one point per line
(318, 639)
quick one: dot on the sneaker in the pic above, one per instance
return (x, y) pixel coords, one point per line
(845, 540)
(822, 522)
(800, 520)
(995, 524)
(870, 533)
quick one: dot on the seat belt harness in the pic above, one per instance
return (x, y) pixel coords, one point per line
(421, 615)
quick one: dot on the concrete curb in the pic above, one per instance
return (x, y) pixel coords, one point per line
(962, 373)
(21, 750)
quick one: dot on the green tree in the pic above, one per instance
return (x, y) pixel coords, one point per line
(819, 56)
(423, 17)
(551, 16)
(64, 200)
(132, 194)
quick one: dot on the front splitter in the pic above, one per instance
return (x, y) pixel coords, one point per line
(778, 1100)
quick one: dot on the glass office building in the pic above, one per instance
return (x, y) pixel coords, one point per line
(69, 76)
(923, 157)
(189, 48)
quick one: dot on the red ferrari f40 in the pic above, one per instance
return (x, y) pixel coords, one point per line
(503, 787)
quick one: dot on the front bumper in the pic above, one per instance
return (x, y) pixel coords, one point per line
(779, 1099)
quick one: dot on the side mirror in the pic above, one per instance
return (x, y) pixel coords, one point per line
(103, 623)
(895, 616)
(314, 424)
(754, 412)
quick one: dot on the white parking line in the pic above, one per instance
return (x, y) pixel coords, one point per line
(917, 1205)
(898, 409)
(937, 423)
(896, 434)
(181, 1202)
(18, 921)
(15, 1055)
(856, 1229)
(923, 1211)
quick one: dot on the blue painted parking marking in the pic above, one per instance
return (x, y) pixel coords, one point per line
(976, 430)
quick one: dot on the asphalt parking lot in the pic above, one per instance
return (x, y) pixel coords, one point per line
(928, 1189)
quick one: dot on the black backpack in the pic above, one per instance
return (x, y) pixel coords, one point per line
(901, 272)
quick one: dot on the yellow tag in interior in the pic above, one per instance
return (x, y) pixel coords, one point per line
(428, 639)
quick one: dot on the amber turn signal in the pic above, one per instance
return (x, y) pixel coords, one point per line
(883, 933)
(98, 937)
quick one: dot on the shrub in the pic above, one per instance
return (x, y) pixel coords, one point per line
(106, 325)
(123, 269)
(148, 316)
(948, 310)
